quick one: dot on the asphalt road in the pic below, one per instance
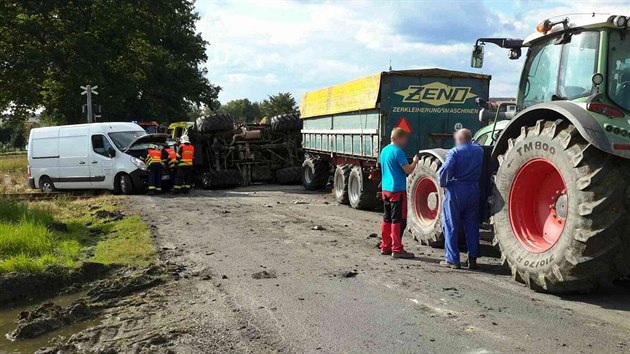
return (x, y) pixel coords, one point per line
(308, 298)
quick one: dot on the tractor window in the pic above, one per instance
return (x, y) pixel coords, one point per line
(483, 139)
(560, 72)
(578, 64)
(619, 68)
(540, 77)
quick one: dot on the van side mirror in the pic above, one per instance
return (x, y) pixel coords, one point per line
(111, 152)
(476, 60)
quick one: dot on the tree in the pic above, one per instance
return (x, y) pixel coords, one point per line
(243, 109)
(281, 103)
(145, 56)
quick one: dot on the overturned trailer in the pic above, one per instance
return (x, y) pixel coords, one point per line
(228, 154)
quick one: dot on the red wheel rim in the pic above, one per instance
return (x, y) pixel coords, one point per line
(538, 205)
(426, 200)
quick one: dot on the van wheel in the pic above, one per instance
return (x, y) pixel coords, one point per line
(123, 185)
(46, 185)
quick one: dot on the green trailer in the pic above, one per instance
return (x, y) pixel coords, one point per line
(345, 126)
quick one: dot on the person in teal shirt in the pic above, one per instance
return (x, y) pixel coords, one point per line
(395, 167)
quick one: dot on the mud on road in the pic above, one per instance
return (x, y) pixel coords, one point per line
(269, 269)
(273, 268)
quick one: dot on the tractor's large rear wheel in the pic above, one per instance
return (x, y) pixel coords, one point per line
(559, 210)
(424, 202)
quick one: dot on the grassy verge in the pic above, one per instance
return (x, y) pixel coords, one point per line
(27, 243)
(13, 173)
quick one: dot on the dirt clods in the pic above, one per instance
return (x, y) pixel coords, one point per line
(264, 275)
(110, 215)
(57, 226)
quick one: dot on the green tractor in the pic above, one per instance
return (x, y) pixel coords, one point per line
(559, 199)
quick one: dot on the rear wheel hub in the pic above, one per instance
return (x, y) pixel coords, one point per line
(426, 200)
(538, 205)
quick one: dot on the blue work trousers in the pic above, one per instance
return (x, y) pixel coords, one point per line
(461, 208)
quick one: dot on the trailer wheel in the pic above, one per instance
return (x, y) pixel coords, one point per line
(289, 175)
(340, 183)
(286, 123)
(315, 173)
(214, 123)
(424, 202)
(361, 191)
(559, 209)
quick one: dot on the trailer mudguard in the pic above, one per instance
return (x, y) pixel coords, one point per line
(586, 125)
(438, 153)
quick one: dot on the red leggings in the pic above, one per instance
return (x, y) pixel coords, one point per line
(394, 221)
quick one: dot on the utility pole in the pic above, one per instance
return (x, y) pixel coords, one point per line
(89, 90)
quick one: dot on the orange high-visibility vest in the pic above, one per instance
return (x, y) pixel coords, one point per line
(188, 152)
(172, 156)
(154, 156)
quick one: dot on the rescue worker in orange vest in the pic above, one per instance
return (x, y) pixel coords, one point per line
(185, 154)
(155, 165)
(170, 159)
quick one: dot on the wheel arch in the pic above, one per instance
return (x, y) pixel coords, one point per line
(585, 124)
(38, 180)
(117, 178)
(438, 153)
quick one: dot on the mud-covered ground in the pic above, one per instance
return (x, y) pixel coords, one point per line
(243, 271)
(272, 283)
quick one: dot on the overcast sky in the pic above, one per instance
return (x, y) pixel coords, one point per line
(258, 48)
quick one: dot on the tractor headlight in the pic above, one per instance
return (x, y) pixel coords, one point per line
(138, 163)
(621, 21)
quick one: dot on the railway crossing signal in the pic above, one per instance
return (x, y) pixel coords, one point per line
(89, 90)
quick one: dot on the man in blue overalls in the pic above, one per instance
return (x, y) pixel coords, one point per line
(459, 176)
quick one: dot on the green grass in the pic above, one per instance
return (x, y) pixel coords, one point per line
(26, 245)
(13, 173)
(128, 243)
(13, 163)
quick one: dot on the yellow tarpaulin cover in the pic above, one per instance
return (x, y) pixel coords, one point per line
(350, 96)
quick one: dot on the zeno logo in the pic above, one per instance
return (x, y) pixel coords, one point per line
(436, 94)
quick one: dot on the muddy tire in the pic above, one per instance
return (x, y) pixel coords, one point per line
(340, 183)
(424, 202)
(286, 123)
(289, 175)
(559, 208)
(220, 179)
(315, 174)
(361, 191)
(214, 123)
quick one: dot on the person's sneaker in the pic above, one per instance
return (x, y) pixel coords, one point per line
(472, 263)
(386, 253)
(450, 265)
(403, 254)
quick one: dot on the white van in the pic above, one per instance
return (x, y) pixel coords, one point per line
(90, 156)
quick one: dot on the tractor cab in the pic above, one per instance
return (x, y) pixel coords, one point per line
(584, 60)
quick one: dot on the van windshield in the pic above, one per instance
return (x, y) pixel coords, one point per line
(123, 139)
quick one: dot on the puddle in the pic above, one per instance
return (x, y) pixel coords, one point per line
(8, 321)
